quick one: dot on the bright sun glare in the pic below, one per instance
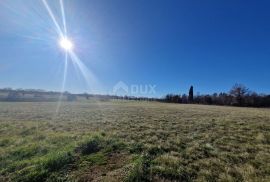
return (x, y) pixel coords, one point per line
(66, 44)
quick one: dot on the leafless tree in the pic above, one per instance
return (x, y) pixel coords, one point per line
(239, 91)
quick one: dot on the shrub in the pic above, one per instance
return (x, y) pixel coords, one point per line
(136, 148)
(91, 146)
(153, 151)
(136, 173)
(57, 161)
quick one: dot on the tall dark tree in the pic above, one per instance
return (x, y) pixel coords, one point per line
(239, 91)
(190, 95)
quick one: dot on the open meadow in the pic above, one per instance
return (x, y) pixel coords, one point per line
(133, 141)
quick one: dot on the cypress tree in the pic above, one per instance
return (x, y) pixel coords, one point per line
(190, 95)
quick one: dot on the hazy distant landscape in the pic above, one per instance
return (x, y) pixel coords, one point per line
(239, 95)
(133, 141)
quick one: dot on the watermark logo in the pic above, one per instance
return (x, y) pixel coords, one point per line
(121, 88)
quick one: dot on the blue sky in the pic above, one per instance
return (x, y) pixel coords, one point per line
(171, 44)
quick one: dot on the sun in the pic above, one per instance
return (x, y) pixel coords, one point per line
(66, 44)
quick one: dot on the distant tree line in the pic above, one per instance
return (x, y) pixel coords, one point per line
(239, 95)
(33, 95)
(37, 95)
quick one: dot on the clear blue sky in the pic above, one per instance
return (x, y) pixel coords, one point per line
(171, 44)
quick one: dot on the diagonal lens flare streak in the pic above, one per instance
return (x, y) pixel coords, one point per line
(63, 16)
(88, 76)
(59, 31)
(63, 83)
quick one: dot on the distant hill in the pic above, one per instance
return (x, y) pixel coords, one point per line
(38, 95)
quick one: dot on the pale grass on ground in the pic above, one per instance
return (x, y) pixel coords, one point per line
(172, 142)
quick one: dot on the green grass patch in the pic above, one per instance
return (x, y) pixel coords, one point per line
(89, 140)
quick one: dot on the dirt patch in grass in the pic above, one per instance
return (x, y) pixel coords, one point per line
(112, 170)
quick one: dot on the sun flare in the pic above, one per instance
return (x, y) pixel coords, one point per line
(66, 44)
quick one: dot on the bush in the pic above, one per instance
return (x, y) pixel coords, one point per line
(136, 173)
(92, 146)
(154, 151)
(57, 161)
(136, 148)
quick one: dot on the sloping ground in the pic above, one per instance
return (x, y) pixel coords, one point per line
(95, 158)
(133, 141)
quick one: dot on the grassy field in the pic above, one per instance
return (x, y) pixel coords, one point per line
(133, 141)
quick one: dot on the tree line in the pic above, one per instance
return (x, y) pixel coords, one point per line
(38, 95)
(238, 95)
(33, 95)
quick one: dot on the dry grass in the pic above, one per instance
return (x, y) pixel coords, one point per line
(155, 141)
